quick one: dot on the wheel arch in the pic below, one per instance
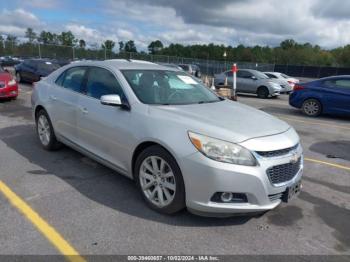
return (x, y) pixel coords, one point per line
(315, 98)
(37, 109)
(145, 144)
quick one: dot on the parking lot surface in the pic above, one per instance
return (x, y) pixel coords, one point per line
(98, 211)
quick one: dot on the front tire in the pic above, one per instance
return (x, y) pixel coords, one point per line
(263, 92)
(312, 107)
(45, 131)
(159, 180)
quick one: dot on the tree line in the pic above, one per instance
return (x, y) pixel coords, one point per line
(288, 52)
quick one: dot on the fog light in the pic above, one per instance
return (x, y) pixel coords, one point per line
(226, 197)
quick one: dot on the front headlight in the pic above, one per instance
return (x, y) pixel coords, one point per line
(275, 85)
(222, 151)
(11, 82)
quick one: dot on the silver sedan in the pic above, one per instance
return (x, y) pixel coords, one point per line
(250, 81)
(183, 145)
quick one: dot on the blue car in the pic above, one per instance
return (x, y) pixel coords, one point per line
(329, 95)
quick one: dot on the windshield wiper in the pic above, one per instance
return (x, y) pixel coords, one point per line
(207, 102)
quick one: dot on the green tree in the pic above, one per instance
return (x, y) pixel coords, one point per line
(82, 43)
(30, 34)
(108, 45)
(155, 46)
(130, 47)
(67, 38)
(121, 46)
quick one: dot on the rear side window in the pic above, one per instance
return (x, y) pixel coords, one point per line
(72, 79)
(229, 73)
(271, 75)
(343, 83)
(338, 83)
(244, 74)
(102, 82)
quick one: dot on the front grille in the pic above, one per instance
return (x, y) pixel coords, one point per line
(276, 153)
(283, 173)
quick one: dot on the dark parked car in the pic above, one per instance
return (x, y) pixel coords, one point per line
(31, 70)
(9, 61)
(329, 95)
(191, 69)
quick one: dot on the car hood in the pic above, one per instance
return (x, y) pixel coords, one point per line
(227, 120)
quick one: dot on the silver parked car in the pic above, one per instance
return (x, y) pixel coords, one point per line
(183, 145)
(287, 86)
(250, 81)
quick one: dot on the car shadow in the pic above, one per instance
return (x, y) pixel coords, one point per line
(96, 182)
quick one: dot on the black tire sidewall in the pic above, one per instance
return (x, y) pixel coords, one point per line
(178, 202)
(319, 106)
(263, 92)
(53, 144)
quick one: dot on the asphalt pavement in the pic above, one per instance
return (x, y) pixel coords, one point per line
(97, 211)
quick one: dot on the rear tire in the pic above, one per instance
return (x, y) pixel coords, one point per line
(45, 131)
(263, 92)
(159, 180)
(312, 107)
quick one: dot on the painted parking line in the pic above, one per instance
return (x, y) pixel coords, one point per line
(312, 122)
(45, 228)
(327, 163)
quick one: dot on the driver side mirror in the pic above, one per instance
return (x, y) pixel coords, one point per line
(253, 77)
(114, 100)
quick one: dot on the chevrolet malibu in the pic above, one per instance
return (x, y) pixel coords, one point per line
(182, 144)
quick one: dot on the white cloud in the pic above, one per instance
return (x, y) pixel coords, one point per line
(15, 22)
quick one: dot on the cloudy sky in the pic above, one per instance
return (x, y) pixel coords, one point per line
(230, 22)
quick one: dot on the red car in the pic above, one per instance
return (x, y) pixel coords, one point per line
(8, 85)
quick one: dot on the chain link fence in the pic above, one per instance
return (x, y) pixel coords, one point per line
(65, 54)
(71, 53)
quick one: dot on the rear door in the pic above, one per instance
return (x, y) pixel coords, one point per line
(337, 95)
(104, 130)
(64, 102)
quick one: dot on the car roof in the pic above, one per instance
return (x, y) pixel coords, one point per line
(335, 77)
(125, 64)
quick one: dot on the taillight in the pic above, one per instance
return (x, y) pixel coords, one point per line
(298, 87)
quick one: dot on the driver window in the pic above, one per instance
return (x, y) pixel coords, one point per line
(102, 82)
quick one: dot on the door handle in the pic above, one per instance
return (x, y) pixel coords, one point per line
(53, 97)
(84, 110)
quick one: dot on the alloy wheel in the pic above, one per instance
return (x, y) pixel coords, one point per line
(311, 108)
(157, 181)
(44, 130)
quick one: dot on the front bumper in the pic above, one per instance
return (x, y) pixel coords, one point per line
(204, 177)
(8, 92)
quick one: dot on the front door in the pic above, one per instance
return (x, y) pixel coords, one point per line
(104, 130)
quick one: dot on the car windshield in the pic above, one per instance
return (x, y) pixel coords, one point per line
(168, 87)
(260, 75)
(285, 76)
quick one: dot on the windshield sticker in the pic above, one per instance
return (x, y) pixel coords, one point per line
(188, 80)
(48, 63)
